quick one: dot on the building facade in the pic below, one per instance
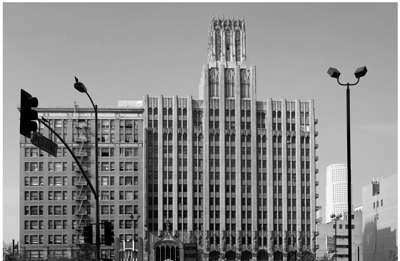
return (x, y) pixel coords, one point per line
(227, 171)
(380, 218)
(234, 174)
(333, 233)
(336, 190)
(56, 201)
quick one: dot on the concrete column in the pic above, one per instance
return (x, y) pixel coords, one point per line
(222, 155)
(144, 167)
(270, 203)
(206, 152)
(160, 163)
(175, 162)
(285, 195)
(254, 193)
(298, 167)
(237, 151)
(312, 171)
(190, 162)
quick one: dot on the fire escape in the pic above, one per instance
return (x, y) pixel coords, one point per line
(82, 189)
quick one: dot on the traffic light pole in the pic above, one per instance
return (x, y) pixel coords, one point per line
(97, 181)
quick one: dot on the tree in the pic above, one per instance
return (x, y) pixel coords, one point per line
(84, 252)
(10, 255)
(392, 255)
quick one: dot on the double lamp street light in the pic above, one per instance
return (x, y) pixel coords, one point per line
(334, 73)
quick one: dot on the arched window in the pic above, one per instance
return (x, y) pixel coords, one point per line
(218, 44)
(228, 45)
(237, 45)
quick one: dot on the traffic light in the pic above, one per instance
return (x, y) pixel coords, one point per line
(28, 116)
(108, 233)
(88, 234)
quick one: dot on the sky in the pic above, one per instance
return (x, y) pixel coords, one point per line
(128, 50)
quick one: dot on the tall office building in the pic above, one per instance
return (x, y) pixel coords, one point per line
(336, 190)
(226, 171)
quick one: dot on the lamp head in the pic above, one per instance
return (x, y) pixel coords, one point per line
(332, 215)
(333, 72)
(79, 86)
(360, 72)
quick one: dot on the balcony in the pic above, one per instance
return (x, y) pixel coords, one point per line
(316, 133)
(316, 195)
(81, 154)
(81, 197)
(316, 183)
(80, 183)
(317, 208)
(316, 121)
(316, 145)
(318, 220)
(316, 158)
(81, 212)
(81, 139)
(78, 227)
(316, 171)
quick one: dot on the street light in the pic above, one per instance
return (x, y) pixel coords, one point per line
(134, 218)
(334, 73)
(335, 219)
(82, 88)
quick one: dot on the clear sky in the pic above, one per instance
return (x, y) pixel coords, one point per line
(128, 50)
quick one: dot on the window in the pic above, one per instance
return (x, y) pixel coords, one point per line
(104, 181)
(129, 152)
(57, 181)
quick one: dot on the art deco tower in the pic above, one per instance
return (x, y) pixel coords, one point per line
(233, 174)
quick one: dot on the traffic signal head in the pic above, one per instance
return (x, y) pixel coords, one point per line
(108, 233)
(88, 234)
(28, 116)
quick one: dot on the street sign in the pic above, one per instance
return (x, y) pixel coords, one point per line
(190, 251)
(44, 143)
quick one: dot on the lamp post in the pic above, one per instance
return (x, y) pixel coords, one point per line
(335, 219)
(134, 218)
(334, 73)
(81, 88)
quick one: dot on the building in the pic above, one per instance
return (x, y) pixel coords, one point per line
(231, 173)
(56, 202)
(336, 190)
(380, 218)
(327, 234)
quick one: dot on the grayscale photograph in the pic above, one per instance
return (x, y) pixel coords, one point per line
(230, 131)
